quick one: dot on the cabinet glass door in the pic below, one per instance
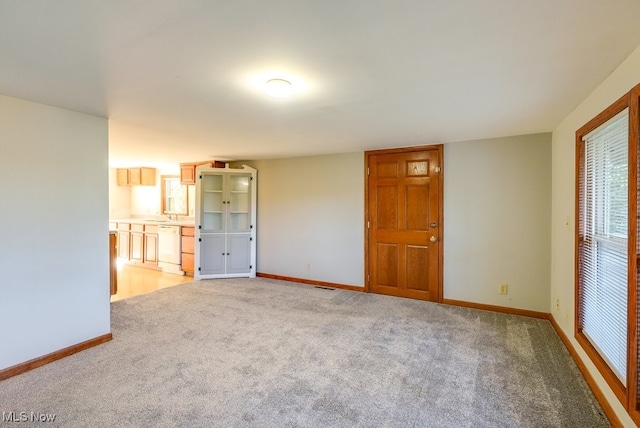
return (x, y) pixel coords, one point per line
(239, 201)
(212, 203)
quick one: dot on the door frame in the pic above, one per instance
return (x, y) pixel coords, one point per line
(367, 156)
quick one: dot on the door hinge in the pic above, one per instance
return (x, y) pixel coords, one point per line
(199, 269)
(367, 170)
(199, 239)
(251, 178)
(250, 266)
(199, 226)
(200, 176)
(368, 225)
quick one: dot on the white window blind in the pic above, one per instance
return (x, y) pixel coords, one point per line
(603, 251)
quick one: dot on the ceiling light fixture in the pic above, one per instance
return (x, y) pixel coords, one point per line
(279, 88)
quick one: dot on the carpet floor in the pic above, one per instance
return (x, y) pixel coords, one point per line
(265, 353)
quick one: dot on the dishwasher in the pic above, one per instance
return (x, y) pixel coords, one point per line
(169, 257)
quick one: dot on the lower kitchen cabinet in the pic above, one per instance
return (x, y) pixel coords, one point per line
(137, 243)
(187, 249)
(151, 244)
(123, 240)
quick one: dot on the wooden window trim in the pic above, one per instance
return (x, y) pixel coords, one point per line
(634, 278)
(627, 394)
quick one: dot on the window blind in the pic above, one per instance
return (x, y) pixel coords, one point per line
(603, 251)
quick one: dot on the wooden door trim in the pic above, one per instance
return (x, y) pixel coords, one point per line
(367, 157)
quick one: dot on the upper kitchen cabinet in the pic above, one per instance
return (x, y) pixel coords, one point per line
(122, 175)
(188, 170)
(136, 176)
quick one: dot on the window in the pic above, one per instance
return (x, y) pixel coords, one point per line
(606, 238)
(603, 257)
(174, 196)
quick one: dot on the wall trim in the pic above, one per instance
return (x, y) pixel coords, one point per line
(57, 355)
(597, 392)
(494, 308)
(311, 282)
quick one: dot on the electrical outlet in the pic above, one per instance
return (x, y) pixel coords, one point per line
(308, 267)
(503, 288)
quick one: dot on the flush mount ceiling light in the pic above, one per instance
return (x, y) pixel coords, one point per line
(278, 88)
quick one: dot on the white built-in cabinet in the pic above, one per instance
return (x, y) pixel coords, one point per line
(225, 241)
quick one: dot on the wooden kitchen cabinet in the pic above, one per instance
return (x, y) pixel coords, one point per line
(188, 173)
(137, 243)
(113, 266)
(187, 249)
(136, 176)
(151, 244)
(123, 240)
(142, 176)
(188, 170)
(122, 176)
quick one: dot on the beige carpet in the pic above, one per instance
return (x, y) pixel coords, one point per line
(264, 353)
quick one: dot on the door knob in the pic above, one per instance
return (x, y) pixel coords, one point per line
(433, 239)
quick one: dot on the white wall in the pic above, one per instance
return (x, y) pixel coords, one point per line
(145, 200)
(497, 208)
(497, 211)
(625, 77)
(311, 211)
(54, 264)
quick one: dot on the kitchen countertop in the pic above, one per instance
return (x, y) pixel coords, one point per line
(187, 223)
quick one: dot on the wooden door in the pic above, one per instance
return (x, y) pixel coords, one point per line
(404, 198)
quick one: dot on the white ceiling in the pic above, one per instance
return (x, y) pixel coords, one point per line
(177, 78)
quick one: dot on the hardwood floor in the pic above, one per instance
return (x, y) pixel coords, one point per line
(133, 281)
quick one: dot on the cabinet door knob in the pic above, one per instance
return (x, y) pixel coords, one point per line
(433, 239)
